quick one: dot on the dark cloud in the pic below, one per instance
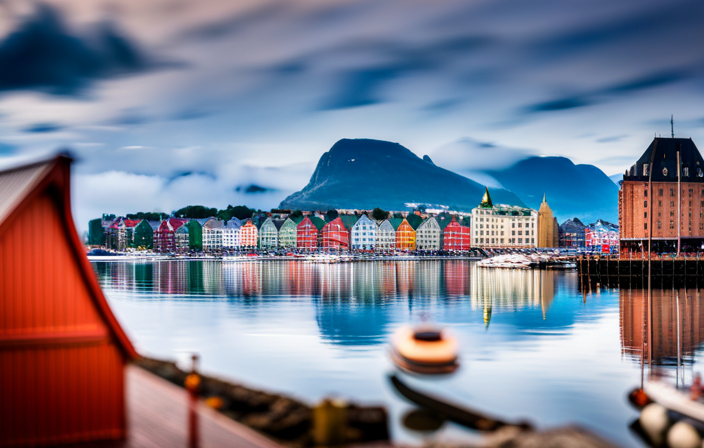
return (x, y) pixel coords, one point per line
(131, 117)
(253, 189)
(41, 128)
(559, 104)
(42, 54)
(611, 139)
(234, 24)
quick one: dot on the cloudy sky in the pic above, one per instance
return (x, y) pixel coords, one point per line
(166, 103)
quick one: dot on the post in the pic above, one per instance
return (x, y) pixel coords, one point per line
(679, 205)
(192, 384)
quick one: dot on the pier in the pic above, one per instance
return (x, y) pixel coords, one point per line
(664, 271)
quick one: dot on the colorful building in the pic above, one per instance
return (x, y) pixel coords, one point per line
(572, 234)
(63, 353)
(385, 236)
(429, 235)
(143, 235)
(269, 233)
(548, 233)
(601, 237)
(248, 235)
(165, 235)
(456, 237)
(405, 234)
(212, 234)
(182, 240)
(231, 234)
(195, 234)
(308, 233)
(661, 200)
(363, 234)
(335, 235)
(503, 225)
(288, 237)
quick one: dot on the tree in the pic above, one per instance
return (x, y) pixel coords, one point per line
(195, 212)
(398, 215)
(108, 217)
(379, 214)
(296, 214)
(240, 211)
(331, 215)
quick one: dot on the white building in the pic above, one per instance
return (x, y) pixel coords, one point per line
(231, 234)
(503, 225)
(363, 234)
(385, 236)
(212, 234)
(428, 235)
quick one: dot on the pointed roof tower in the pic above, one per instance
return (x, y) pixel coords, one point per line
(486, 200)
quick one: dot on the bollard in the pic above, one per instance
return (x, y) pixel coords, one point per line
(329, 422)
(192, 384)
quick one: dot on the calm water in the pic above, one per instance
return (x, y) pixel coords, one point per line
(532, 345)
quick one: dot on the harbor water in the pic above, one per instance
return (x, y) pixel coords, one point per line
(533, 346)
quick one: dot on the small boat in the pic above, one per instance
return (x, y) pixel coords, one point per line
(677, 400)
(425, 350)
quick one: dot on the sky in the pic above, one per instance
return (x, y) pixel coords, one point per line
(166, 103)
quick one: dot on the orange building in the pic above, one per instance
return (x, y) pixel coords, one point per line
(62, 352)
(662, 199)
(249, 234)
(405, 234)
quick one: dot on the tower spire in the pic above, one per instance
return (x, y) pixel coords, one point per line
(543, 197)
(672, 125)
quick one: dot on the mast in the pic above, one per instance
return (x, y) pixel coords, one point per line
(679, 204)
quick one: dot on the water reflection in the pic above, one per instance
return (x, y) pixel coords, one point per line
(678, 324)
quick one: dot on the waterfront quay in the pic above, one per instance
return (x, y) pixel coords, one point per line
(663, 271)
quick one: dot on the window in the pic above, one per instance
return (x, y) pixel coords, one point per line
(660, 192)
(659, 225)
(645, 192)
(645, 169)
(672, 192)
(672, 203)
(686, 171)
(645, 204)
(645, 214)
(645, 226)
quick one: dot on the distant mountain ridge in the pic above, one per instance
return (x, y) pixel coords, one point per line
(364, 173)
(571, 190)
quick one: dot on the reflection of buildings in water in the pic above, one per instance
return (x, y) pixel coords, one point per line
(213, 280)
(172, 277)
(251, 279)
(512, 289)
(427, 280)
(633, 309)
(457, 278)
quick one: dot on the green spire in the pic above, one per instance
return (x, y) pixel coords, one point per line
(486, 200)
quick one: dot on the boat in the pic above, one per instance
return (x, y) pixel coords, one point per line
(674, 399)
(424, 350)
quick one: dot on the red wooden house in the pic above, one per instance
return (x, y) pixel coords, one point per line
(165, 235)
(62, 352)
(306, 234)
(335, 235)
(456, 236)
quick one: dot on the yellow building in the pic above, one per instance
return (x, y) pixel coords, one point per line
(547, 226)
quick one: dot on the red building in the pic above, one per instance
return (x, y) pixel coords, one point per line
(164, 236)
(661, 200)
(335, 235)
(456, 236)
(308, 233)
(62, 352)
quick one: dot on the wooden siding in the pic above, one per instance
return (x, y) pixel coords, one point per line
(405, 237)
(307, 234)
(61, 371)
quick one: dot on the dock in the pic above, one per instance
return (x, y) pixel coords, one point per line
(157, 413)
(664, 271)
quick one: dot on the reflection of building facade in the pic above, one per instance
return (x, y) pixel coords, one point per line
(670, 329)
(503, 225)
(662, 197)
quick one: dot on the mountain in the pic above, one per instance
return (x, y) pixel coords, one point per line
(571, 190)
(362, 173)
(616, 178)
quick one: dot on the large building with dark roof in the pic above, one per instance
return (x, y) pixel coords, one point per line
(661, 200)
